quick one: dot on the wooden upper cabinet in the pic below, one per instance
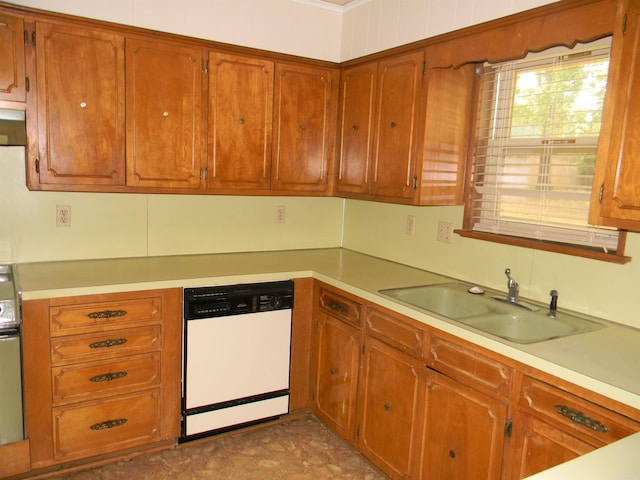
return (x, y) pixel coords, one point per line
(357, 101)
(12, 71)
(616, 190)
(397, 104)
(240, 122)
(80, 115)
(304, 128)
(165, 114)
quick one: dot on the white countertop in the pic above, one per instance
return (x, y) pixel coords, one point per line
(604, 361)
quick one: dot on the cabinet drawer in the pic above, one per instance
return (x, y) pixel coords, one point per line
(339, 306)
(468, 365)
(91, 317)
(82, 348)
(90, 380)
(576, 414)
(395, 331)
(96, 428)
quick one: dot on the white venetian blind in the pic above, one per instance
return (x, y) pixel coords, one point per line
(538, 126)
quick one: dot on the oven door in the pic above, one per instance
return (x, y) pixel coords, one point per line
(11, 418)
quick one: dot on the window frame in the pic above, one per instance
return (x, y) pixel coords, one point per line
(615, 256)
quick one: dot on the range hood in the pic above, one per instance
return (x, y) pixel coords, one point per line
(13, 129)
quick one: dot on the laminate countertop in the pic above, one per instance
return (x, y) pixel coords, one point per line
(604, 361)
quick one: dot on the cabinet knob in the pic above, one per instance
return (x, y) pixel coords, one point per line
(393, 124)
(83, 104)
(333, 371)
(241, 121)
(303, 127)
(354, 127)
(165, 114)
(452, 454)
(386, 407)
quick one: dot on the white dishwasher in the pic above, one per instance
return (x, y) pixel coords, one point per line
(236, 355)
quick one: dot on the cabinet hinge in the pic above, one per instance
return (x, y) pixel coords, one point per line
(26, 38)
(33, 38)
(415, 183)
(37, 165)
(331, 85)
(27, 84)
(601, 193)
(205, 66)
(508, 428)
(424, 67)
(624, 23)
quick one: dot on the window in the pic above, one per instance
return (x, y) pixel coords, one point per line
(536, 139)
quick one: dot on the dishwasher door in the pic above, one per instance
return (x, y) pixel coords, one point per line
(11, 417)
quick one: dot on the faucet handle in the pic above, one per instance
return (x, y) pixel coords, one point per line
(553, 305)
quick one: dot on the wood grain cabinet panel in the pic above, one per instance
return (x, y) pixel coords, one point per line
(335, 367)
(80, 107)
(615, 199)
(240, 122)
(464, 432)
(165, 114)
(304, 128)
(12, 66)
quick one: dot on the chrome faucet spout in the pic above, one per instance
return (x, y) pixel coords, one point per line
(512, 287)
(553, 305)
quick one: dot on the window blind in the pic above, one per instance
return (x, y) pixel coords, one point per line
(537, 135)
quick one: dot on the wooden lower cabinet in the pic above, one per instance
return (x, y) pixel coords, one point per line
(464, 432)
(337, 356)
(101, 374)
(428, 405)
(391, 406)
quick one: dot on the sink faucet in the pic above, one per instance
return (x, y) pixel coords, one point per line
(513, 288)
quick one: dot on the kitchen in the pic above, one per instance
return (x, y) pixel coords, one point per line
(132, 225)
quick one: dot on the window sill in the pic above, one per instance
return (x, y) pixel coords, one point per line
(553, 247)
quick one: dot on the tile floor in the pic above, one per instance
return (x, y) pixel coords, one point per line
(299, 448)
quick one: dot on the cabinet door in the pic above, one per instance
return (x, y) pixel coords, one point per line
(165, 147)
(335, 369)
(12, 73)
(464, 432)
(304, 128)
(398, 97)
(356, 131)
(539, 445)
(616, 197)
(240, 122)
(80, 85)
(391, 407)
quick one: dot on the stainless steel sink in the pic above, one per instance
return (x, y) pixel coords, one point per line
(480, 311)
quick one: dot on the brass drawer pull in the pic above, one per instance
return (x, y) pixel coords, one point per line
(107, 377)
(108, 343)
(108, 424)
(338, 307)
(581, 419)
(107, 314)
(386, 407)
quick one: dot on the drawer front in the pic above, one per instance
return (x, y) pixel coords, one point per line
(340, 306)
(576, 414)
(93, 429)
(395, 331)
(468, 365)
(83, 381)
(82, 348)
(90, 317)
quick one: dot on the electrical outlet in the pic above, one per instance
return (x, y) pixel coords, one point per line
(445, 232)
(63, 215)
(280, 214)
(410, 226)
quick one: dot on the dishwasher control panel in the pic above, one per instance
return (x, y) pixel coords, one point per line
(223, 300)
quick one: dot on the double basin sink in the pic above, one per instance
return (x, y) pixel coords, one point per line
(513, 322)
